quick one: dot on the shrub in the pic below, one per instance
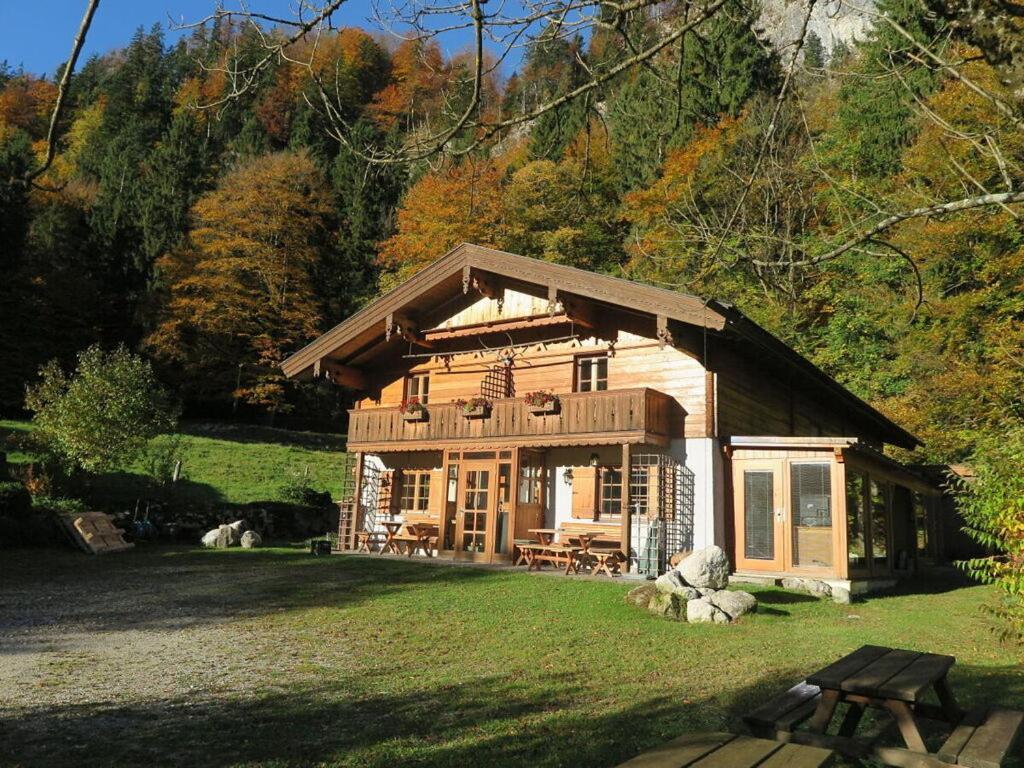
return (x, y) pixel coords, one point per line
(15, 501)
(102, 415)
(992, 504)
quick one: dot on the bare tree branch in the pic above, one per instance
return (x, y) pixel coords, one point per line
(62, 93)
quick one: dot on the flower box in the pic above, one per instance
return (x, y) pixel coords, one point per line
(544, 409)
(413, 410)
(477, 408)
(420, 415)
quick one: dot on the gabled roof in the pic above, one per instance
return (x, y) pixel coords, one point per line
(437, 284)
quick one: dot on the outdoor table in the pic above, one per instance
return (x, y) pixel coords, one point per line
(423, 532)
(545, 535)
(890, 679)
(392, 527)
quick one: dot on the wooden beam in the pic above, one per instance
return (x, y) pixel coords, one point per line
(664, 334)
(627, 456)
(409, 329)
(357, 505)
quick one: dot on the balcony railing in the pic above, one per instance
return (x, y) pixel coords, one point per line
(627, 415)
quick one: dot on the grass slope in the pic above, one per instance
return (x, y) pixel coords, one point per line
(223, 463)
(276, 658)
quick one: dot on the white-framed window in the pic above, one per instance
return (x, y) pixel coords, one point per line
(591, 373)
(418, 385)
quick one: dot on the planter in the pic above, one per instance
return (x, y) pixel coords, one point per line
(480, 412)
(546, 409)
(414, 416)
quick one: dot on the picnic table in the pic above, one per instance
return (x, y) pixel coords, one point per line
(391, 528)
(547, 551)
(896, 681)
(726, 750)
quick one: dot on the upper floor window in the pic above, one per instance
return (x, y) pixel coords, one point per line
(418, 385)
(591, 373)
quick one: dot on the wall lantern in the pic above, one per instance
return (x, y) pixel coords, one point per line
(567, 476)
(594, 459)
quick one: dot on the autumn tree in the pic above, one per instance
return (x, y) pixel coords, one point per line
(240, 295)
(463, 202)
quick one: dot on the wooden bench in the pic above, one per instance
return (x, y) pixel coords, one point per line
(605, 551)
(416, 534)
(983, 739)
(556, 554)
(726, 750)
(606, 561)
(365, 538)
(783, 713)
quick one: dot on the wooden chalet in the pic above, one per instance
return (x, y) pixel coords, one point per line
(675, 423)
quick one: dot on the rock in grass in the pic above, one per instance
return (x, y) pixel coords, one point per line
(237, 528)
(251, 540)
(733, 604)
(672, 583)
(641, 596)
(210, 538)
(706, 568)
(704, 611)
(666, 605)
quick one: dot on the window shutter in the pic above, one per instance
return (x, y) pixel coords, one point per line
(584, 492)
(436, 491)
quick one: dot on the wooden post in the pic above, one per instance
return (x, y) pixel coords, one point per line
(626, 511)
(357, 506)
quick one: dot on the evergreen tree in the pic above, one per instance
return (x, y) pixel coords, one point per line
(814, 52)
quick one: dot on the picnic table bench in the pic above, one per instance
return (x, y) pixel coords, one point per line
(726, 750)
(896, 681)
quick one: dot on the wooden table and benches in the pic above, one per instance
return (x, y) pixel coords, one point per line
(726, 750)
(564, 552)
(898, 682)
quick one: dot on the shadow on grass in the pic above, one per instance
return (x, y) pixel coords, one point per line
(160, 587)
(252, 433)
(489, 721)
(778, 597)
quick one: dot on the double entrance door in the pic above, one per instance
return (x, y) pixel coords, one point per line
(480, 506)
(784, 515)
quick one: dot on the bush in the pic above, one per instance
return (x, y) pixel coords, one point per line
(15, 501)
(104, 414)
(992, 504)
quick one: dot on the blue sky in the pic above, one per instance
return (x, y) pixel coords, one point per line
(37, 34)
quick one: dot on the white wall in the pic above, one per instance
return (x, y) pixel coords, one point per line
(558, 508)
(703, 457)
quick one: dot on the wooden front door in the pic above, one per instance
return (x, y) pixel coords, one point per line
(760, 515)
(475, 509)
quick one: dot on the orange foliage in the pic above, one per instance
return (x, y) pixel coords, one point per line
(241, 290)
(26, 103)
(418, 75)
(462, 203)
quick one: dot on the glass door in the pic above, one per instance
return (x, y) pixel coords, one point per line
(475, 505)
(760, 516)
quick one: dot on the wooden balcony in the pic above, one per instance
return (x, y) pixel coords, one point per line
(584, 418)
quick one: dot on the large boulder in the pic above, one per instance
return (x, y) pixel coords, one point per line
(237, 528)
(678, 557)
(704, 611)
(671, 582)
(641, 596)
(817, 588)
(733, 604)
(666, 605)
(220, 537)
(706, 568)
(251, 540)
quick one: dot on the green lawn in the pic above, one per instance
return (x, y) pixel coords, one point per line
(222, 462)
(276, 658)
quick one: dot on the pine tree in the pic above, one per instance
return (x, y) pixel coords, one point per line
(814, 52)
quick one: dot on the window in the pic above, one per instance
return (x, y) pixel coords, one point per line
(811, 488)
(610, 487)
(415, 491)
(418, 385)
(591, 373)
(531, 478)
(856, 541)
(921, 524)
(759, 514)
(879, 525)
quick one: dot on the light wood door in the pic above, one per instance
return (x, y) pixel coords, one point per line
(760, 514)
(475, 510)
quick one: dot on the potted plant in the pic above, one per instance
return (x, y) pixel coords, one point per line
(475, 407)
(413, 410)
(542, 402)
